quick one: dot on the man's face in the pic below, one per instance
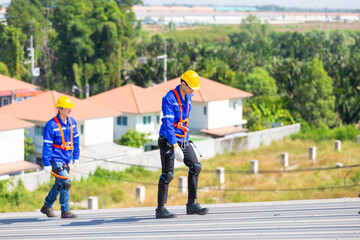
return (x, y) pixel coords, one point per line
(188, 90)
(65, 111)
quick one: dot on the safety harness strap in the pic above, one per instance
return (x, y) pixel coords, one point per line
(182, 124)
(64, 145)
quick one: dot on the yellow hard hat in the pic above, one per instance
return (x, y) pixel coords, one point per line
(192, 79)
(64, 102)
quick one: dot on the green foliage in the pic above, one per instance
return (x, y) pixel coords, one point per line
(267, 115)
(313, 95)
(12, 44)
(346, 132)
(4, 69)
(259, 83)
(133, 138)
(28, 145)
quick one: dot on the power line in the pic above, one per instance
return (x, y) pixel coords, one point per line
(234, 189)
(230, 171)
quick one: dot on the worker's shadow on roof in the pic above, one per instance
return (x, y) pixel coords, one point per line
(105, 221)
(20, 220)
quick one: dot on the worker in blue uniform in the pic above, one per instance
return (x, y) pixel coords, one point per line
(174, 144)
(61, 145)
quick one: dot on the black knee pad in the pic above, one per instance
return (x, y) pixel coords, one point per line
(195, 169)
(167, 177)
(67, 184)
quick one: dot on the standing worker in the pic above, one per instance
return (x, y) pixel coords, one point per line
(174, 144)
(61, 144)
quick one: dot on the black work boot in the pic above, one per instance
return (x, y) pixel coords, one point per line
(48, 211)
(164, 213)
(195, 208)
(68, 214)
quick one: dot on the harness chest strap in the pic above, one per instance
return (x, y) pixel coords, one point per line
(182, 124)
(65, 145)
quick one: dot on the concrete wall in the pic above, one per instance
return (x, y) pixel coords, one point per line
(11, 146)
(209, 148)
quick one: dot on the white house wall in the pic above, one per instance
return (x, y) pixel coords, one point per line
(11, 146)
(197, 119)
(97, 131)
(225, 113)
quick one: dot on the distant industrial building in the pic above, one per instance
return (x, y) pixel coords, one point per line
(183, 15)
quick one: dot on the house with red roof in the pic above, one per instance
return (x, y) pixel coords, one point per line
(95, 123)
(216, 108)
(141, 109)
(12, 132)
(13, 90)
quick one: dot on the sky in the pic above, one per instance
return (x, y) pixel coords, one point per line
(341, 4)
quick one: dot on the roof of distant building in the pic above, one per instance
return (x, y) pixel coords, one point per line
(145, 100)
(210, 90)
(223, 131)
(9, 122)
(9, 84)
(43, 107)
(129, 98)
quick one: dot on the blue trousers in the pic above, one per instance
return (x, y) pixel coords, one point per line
(59, 187)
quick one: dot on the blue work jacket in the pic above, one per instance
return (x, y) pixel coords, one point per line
(52, 136)
(171, 114)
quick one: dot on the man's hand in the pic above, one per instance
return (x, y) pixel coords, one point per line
(47, 169)
(179, 155)
(76, 163)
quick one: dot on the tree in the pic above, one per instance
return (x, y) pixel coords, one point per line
(216, 69)
(313, 95)
(133, 138)
(91, 32)
(12, 44)
(4, 69)
(260, 84)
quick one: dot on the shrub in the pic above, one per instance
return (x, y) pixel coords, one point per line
(346, 132)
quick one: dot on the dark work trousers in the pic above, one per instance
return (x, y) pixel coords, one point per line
(167, 163)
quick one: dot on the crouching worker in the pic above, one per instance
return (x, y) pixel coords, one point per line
(174, 144)
(61, 144)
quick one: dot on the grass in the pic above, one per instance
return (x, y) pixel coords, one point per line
(117, 189)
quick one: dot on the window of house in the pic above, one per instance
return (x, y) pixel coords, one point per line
(5, 101)
(205, 110)
(146, 120)
(39, 131)
(158, 119)
(122, 120)
(82, 129)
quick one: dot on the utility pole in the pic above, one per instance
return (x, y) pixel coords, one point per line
(35, 71)
(165, 62)
(87, 90)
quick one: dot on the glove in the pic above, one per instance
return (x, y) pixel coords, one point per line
(76, 163)
(179, 155)
(47, 169)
